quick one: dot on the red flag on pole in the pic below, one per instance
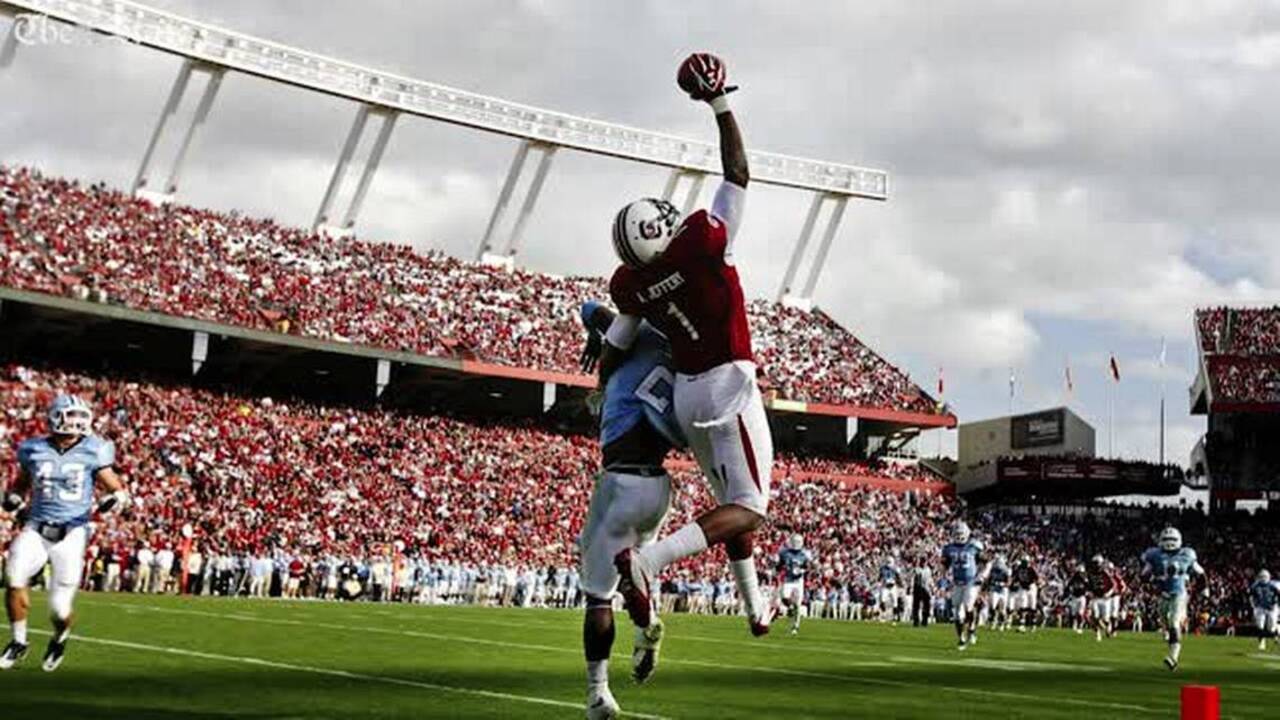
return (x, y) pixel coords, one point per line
(1115, 369)
(1071, 386)
(941, 390)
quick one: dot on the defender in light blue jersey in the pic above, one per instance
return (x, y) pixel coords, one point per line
(998, 578)
(58, 472)
(1264, 595)
(889, 597)
(961, 557)
(1172, 566)
(794, 563)
(632, 495)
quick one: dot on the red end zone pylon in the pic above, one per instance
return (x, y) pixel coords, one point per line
(1200, 702)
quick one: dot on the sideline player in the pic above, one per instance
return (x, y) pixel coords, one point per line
(890, 590)
(1264, 593)
(631, 495)
(794, 562)
(679, 275)
(1102, 588)
(1077, 592)
(59, 471)
(1171, 566)
(961, 557)
(1026, 593)
(997, 582)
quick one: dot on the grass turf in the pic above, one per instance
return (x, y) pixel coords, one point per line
(165, 657)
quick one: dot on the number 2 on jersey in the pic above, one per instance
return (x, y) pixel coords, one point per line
(683, 319)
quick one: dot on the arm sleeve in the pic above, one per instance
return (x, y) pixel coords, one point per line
(106, 454)
(727, 207)
(622, 333)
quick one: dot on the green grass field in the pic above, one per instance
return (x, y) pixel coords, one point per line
(166, 657)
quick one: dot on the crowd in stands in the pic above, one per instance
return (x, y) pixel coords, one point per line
(92, 242)
(1242, 349)
(303, 500)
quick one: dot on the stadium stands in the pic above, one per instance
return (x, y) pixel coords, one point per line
(297, 481)
(1241, 349)
(91, 242)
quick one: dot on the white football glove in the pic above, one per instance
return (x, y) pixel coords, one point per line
(116, 501)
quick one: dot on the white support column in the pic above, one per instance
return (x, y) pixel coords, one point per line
(802, 243)
(370, 167)
(530, 200)
(9, 45)
(170, 107)
(504, 197)
(820, 261)
(548, 395)
(340, 168)
(382, 377)
(197, 121)
(669, 190)
(695, 189)
(199, 350)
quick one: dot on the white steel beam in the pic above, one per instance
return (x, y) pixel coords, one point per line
(504, 197)
(802, 243)
(370, 168)
(340, 167)
(197, 121)
(820, 261)
(214, 45)
(166, 113)
(9, 45)
(530, 199)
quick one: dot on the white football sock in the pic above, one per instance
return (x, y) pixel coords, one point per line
(744, 572)
(19, 631)
(688, 540)
(597, 673)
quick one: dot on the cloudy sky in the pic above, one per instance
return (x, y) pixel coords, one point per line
(1069, 180)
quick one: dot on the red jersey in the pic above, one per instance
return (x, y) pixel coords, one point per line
(692, 295)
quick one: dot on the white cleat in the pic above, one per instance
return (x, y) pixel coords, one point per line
(601, 705)
(644, 655)
(1170, 663)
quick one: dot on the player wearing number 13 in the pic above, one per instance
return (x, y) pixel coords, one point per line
(679, 276)
(59, 471)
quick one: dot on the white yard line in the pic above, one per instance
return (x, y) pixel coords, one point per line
(259, 662)
(670, 661)
(998, 664)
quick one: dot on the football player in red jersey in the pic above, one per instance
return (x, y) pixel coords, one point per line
(679, 275)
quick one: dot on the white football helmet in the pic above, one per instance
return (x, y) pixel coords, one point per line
(69, 415)
(1170, 539)
(643, 229)
(1264, 576)
(960, 532)
(796, 541)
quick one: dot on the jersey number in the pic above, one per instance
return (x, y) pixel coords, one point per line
(644, 390)
(684, 320)
(71, 490)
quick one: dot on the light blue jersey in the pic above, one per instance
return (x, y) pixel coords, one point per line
(1172, 570)
(889, 575)
(1265, 595)
(62, 481)
(794, 563)
(962, 560)
(640, 389)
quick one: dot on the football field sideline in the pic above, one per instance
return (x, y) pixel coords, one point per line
(309, 659)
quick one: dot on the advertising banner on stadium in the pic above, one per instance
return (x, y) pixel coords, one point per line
(1042, 429)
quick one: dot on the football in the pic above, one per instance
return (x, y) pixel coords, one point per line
(701, 75)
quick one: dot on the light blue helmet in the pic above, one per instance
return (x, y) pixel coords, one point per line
(70, 415)
(1170, 539)
(960, 532)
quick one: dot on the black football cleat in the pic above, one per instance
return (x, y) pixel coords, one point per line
(53, 655)
(13, 654)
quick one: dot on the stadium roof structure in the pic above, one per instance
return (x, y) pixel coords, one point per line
(214, 50)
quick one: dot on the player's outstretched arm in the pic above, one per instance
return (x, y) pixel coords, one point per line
(703, 77)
